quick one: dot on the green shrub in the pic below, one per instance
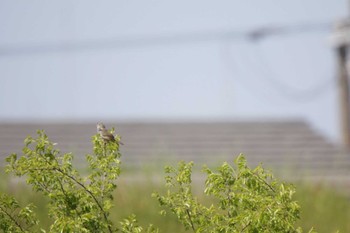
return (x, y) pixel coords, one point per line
(244, 200)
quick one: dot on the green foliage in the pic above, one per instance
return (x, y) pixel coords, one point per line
(13, 218)
(246, 200)
(76, 203)
(130, 225)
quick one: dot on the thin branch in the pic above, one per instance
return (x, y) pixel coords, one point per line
(189, 217)
(89, 192)
(43, 187)
(245, 227)
(229, 190)
(12, 219)
(264, 181)
(85, 189)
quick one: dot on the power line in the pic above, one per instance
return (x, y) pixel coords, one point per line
(264, 32)
(233, 66)
(265, 71)
(161, 40)
(285, 89)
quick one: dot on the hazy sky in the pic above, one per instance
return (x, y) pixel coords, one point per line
(129, 60)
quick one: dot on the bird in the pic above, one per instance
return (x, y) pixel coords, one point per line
(105, 134)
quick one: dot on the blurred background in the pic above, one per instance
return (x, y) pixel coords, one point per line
(193, 80)
(64, 61)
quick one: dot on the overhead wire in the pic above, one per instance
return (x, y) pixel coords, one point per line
(284, 89)
(264, 70)
(233, 66)
(130, 42)
(253, 36)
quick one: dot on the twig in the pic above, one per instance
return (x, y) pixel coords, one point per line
(88, 191)
(12, 219)
(189, 217)
(246, 226)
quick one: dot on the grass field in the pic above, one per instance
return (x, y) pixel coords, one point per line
(324, 208)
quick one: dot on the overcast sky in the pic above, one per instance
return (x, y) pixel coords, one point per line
(135, 60)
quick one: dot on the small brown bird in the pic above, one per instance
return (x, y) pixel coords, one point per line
(105, 134)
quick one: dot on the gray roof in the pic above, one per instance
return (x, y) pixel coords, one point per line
(284, 146)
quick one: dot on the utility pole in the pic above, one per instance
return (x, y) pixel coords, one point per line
(343, 83)
(341, 40)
